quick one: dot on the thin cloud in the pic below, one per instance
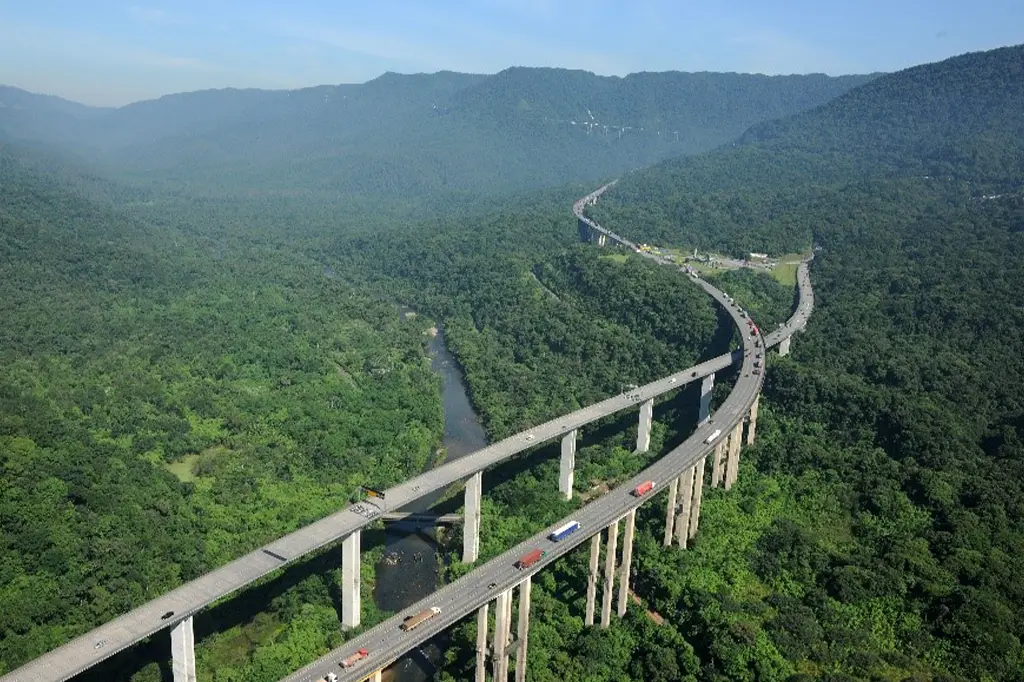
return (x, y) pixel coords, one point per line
(152, 15)
(456, 45)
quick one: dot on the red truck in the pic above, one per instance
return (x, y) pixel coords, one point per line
(529, 559)
(354, 658)
(643, 488)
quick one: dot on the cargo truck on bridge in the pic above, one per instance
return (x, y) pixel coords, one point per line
(529, 559)
(564, 531)
(354, 658)
(424, 615)
(643, 489)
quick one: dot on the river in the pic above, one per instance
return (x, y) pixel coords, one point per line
(409, 570)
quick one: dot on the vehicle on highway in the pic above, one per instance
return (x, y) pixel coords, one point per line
(354, 658)
(564, 531)
(424, 615)
(756, 371)
(529, 559)
(331, 677)
(167, 615)
(713, 436)
(643, 489)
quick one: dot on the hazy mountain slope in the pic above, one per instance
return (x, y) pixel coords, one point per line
(412, 135)
(955, 120)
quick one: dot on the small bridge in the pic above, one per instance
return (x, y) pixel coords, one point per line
(423, 518)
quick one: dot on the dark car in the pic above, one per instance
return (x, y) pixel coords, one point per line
(167, 615)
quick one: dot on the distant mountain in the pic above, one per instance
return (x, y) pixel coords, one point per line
(959, 115)
(401, 135)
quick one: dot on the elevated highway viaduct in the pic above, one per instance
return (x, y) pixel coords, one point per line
(174, 610)
(682, 472)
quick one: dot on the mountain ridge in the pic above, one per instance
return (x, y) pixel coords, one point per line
(410, 135)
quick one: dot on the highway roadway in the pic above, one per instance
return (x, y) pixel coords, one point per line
(386, 642)
(108, 639)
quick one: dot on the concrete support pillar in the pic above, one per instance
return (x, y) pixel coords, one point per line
(595, 553)
(683, 516)
(350, 604)
(704, 413)
(670, 515)
(784, 346)
(643, 432)
(502, 630)
(698, 490)
(481, 643)
(732, 468)
(183, 652)
(627, 561)
(471, 522)
(752, 421)
(376, 676)
(568, 465)
(717, 462)
(523, 629)
(610, 550)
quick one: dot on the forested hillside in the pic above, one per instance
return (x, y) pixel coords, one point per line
(399, 136)
(165, 408)
(953, 121)
(535, 337)
(876, 531)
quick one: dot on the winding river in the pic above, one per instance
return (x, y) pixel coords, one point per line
(409, 570)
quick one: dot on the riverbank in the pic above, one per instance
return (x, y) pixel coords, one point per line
(412, 562)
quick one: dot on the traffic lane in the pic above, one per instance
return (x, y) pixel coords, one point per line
(124, 631)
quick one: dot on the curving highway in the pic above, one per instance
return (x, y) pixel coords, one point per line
(95, 646)
(386, 642)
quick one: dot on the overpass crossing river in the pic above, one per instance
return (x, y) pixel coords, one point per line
(459, 598)
(386, 642)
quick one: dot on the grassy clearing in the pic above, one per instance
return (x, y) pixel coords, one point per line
(183, 468)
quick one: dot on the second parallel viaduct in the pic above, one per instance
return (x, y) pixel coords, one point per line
(681, 470)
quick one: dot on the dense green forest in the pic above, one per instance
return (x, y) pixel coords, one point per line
(165, 408)
(422, 135)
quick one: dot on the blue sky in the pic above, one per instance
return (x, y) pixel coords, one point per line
(111, 53)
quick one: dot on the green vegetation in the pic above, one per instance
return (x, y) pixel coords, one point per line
(402, 137)
(164, 410)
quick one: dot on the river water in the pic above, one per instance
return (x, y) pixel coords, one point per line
(409, 570)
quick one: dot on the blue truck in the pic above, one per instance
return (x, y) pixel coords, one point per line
(564, 531)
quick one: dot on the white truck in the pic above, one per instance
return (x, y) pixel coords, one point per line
(710, 439)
